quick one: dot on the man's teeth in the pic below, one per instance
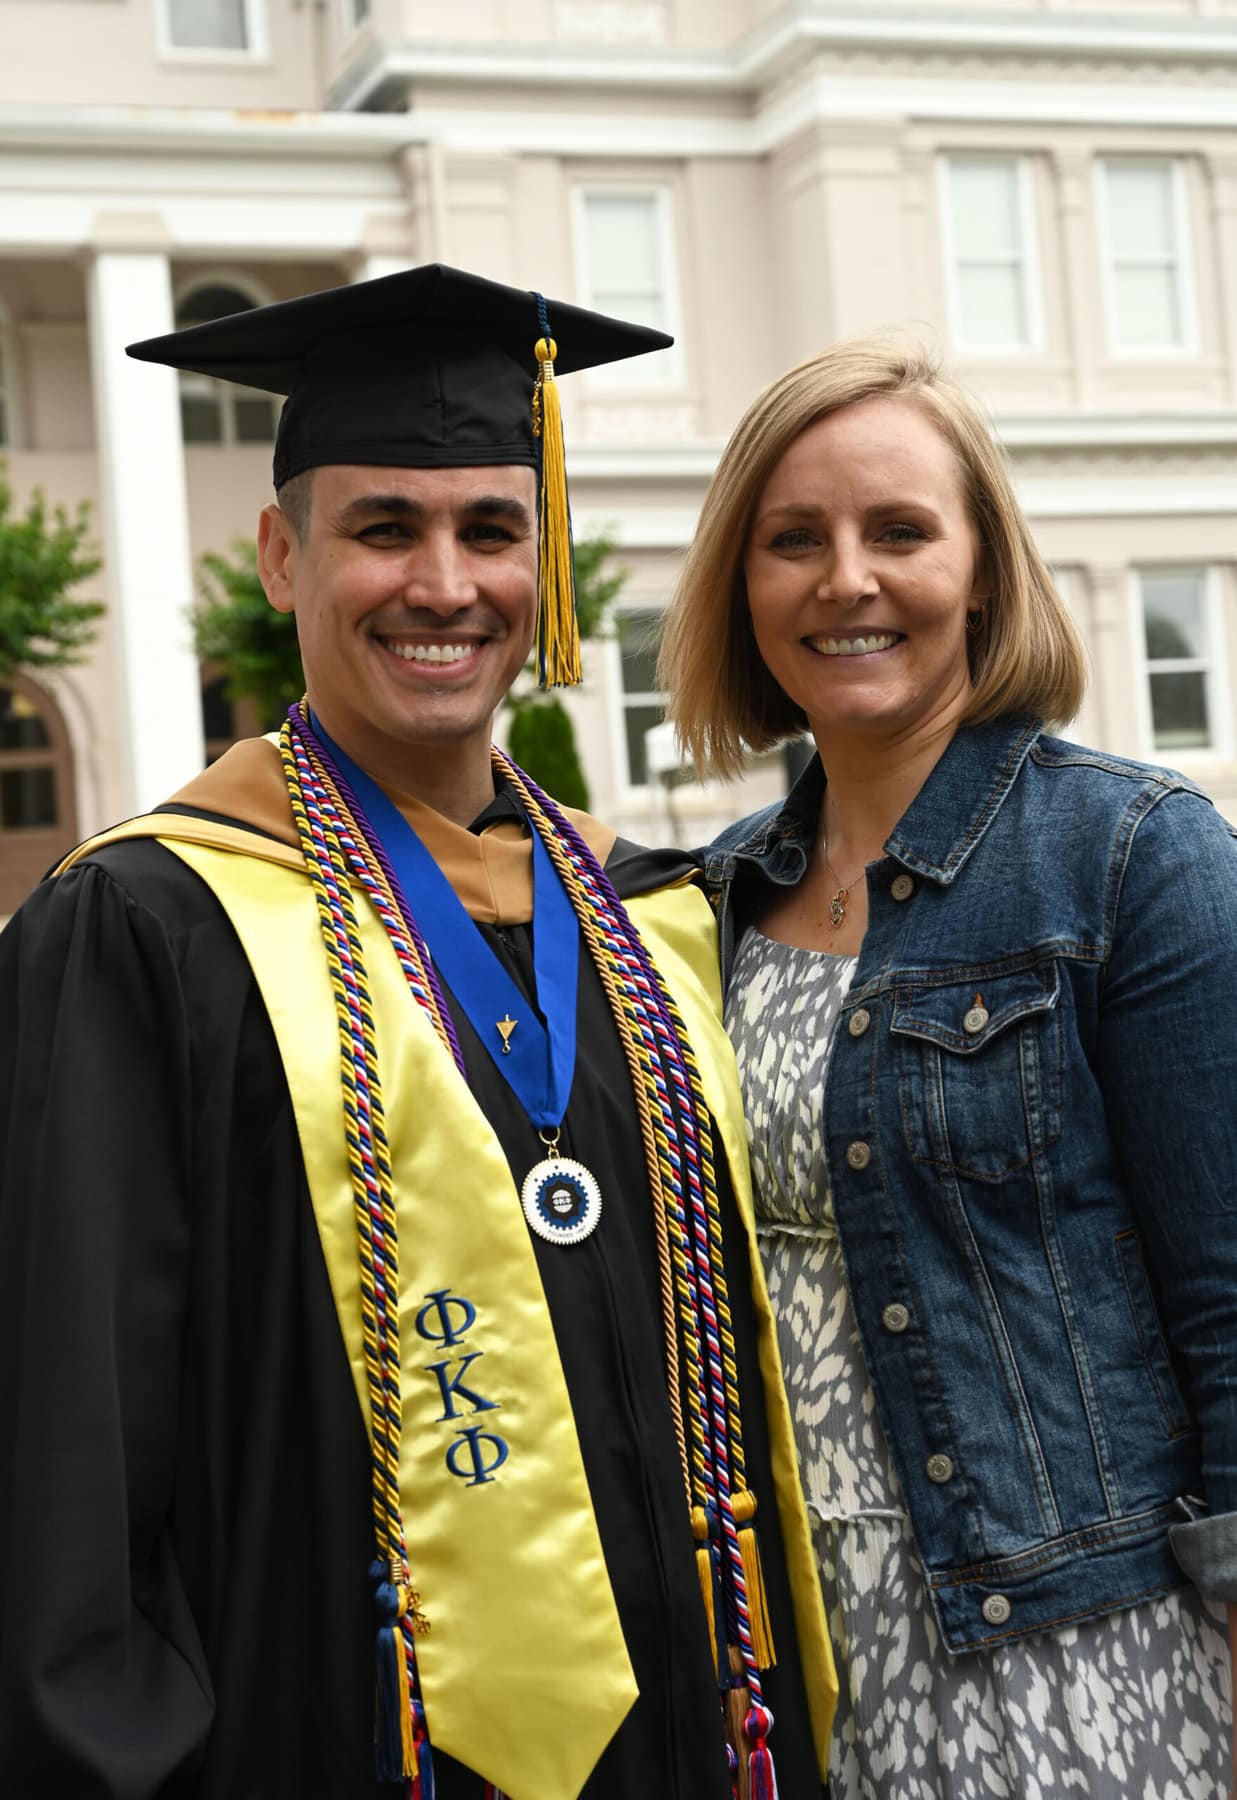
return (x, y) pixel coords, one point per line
(860, 646)
(431, 653)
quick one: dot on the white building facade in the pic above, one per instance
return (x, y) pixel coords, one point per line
(1046, 193)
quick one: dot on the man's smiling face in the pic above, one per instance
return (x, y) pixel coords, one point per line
(415, 597)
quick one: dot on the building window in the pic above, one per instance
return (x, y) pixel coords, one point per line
(355, 13)
(1150, 302)
(626, 268)
(1181, 635)
(644, 705)
(990, 244)
(212, 25)
(220, 412)
(37, 814)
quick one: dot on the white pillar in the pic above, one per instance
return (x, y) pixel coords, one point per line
(149, 567)
(370, 268)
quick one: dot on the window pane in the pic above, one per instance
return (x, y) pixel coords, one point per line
(1173, 614)
(217, 710)
(216, 300)
(255, 417)
(1148, 311)
(207, 24)
(201, 418)
(992, 305)
(638, 720)
(1179, 711)
(986, 221)
(27, 798)
(639, 635)
(21, 728)
(1140, 210)
(622, 248)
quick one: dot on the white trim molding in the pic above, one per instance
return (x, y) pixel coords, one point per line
(778, 47)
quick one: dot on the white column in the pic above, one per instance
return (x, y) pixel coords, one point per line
(149, 569)
(370, 268)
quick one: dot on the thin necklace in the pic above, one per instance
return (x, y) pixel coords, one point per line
(837, 905)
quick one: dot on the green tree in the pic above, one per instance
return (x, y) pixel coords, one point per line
(541, 736)
(44, 554)
(235, 626)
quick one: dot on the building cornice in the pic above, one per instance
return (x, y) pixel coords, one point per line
(778, 46)
(339, 136)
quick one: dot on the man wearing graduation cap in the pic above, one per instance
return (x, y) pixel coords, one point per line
(388, 1393)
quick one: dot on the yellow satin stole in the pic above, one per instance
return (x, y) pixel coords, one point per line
(510, 1570)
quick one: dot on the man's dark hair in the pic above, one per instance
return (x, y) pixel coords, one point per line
(294, 501)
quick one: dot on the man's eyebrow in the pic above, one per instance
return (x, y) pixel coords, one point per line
(400, 506)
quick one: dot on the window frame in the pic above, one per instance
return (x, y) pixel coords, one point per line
(1183, 247)
(257, 48)
(228, 391)
(9, 437)
(1029, 258)
(668, 370)
(1216, 686)
(627, 790)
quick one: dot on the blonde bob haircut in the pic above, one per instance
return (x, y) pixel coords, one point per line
(1026, 656)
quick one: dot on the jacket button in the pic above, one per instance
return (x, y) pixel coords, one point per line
(902, 887)
(940, 1467)
(996, 1609)
(975, 1020)
(896, 1317)
(859, 1022)
(858, 1155)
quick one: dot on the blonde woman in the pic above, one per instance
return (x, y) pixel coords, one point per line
(983, 988)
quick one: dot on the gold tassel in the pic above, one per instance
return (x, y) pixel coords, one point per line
(704, 1572)
(744, 1505)
(558, 631)
(407, 1742)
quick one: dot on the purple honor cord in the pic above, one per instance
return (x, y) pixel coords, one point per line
(538, 1063)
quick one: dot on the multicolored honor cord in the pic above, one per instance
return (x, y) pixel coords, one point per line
(342, 853)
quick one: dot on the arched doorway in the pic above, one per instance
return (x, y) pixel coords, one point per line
(38, 808)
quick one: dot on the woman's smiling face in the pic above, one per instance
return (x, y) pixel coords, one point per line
(861, 566)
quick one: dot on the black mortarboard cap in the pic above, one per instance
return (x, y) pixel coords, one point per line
(430, 368)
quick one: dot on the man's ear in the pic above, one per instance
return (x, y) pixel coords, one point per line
(277, 553)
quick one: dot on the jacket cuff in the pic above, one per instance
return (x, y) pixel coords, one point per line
(1207, 1550)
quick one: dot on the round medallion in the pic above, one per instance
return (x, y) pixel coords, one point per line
(561, 1200)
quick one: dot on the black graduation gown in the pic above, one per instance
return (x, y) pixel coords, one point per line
(185, 1524)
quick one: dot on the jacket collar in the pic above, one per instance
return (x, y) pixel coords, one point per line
(944, 822)
(961, 797)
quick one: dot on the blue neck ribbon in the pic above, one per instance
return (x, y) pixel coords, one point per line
(540, 1062)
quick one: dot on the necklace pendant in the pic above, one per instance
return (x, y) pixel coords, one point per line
(506, 1026)
(561, 1200)
(837, 907)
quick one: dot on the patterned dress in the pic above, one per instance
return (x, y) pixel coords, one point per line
(1134, 1706)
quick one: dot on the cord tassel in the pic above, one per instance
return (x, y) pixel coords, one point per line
(709, 1574)
(763, 1649)
(394, 1755)
(558, 631)
(423, 1763)
(762, 1776)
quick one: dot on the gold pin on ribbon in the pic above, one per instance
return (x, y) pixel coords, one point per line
(506, 1026)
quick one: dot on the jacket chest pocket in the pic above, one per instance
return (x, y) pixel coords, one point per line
(979, 1071)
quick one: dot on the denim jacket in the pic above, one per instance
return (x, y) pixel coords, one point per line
(1030, 1129)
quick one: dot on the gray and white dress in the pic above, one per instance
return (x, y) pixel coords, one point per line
(1134, 1706)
